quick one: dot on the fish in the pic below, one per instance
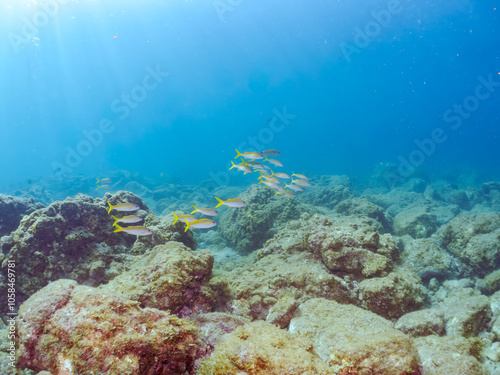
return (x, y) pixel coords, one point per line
(279, 188)
(103, 181)
(241, 167)
(123, 207)
(136, 231)
(233, 202)
(281, 175)
(274, 162)
(301, 176)
(126, 219)
(270, 178)
(201, 223)
(255, 164)
(286, 193)
(271, 153)
(186, 218)
(301, 182)
(104, 187)
(269, 183)
(249, 155)
(294, 187)
(264, 172)
(204, 211)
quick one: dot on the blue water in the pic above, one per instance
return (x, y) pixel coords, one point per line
(173, 87)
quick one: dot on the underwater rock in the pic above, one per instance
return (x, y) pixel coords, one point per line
(270, 287)
(364, 208)
(169, 277)
(447, 355)
(422, 323)
(350, 339)
(247, 228)
(12, 210)
(260, 348)
(69, 329)
(428, 260)
(417, 222)
(490, 284)
(325, 196)
(474, 239)
(64, 240)
(214, 325)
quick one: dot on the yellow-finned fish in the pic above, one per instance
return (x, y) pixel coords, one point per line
(123, 207)
(126, 219)
(286, 193)
(301, 176)
(264, 172)
(270, 178)
(136, 231)
(186, 218)
(271, 184)
(281, 175)
(301, 182)
(103, 181)
(104, 187)
(204, 211)
(271, 153)
(233, 202)
(244, 167)
(274, 162)
(249, 155)
(201, 223)
(255, 164)
(294, 187)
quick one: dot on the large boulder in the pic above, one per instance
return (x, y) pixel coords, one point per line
(12, 210)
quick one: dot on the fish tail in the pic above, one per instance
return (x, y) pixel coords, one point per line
(265, 158)
(110, 207)
(175, 217)
(276, 193)
(118, 228)
(237, 154)
(195, 209)
(187, 225)
(97, 180)
(220, 202)
(233, 165)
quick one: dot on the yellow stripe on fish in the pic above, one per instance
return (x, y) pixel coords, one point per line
(123, 207)
(201, 223)
(249, 155)
(204, 211)
(233, 202)
(285, 193)
(186, 218)
(281, 175)
(274, 162)
(244, 167)
(301, 182)
(136, 231)
(126, 219)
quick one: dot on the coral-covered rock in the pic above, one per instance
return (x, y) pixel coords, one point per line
(325, 195)
(214, 325)
(474, 239)
(12, 210)
(260, 348)
(417, 222)
(422, 323)
(364, 208)
(70, 329)
(447, 355)
(352, 340)
(427, 259)
(170, 277)
(247, 228)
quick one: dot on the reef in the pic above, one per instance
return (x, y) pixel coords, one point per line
(12, 210)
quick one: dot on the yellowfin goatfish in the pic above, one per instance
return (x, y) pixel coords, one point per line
(281, 175)
(103, 181)
(274, 162)
(204, 211)
(136, 231)
(294, 187)
(271, 153)
(249, 155)
(104, 187)
(270, 178)
(269, 183)
(186, 218)
(202, 223)
(241, 167)
(123, 207)
(301, 182)
(286, 193)
(301, 176)
(126, 219)
(233, 202)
